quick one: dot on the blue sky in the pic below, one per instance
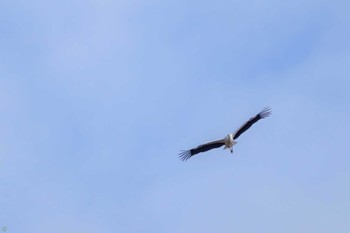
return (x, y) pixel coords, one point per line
(98, 97)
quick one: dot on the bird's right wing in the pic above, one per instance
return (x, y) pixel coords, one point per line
(186, 154)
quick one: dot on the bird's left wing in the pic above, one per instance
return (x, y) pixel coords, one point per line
(186, 154)
(264, 113)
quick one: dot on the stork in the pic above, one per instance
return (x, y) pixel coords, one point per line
(228, 141)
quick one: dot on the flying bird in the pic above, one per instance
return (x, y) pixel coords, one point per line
(229, 140)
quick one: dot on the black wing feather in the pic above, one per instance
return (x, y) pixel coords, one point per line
(264, 113)
(186, 154)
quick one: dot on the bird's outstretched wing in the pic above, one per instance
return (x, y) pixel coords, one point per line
(186, 154)
(264, 113)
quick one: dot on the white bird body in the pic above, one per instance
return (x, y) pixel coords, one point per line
(229, 141)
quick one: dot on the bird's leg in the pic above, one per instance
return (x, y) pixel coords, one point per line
(231, 149)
